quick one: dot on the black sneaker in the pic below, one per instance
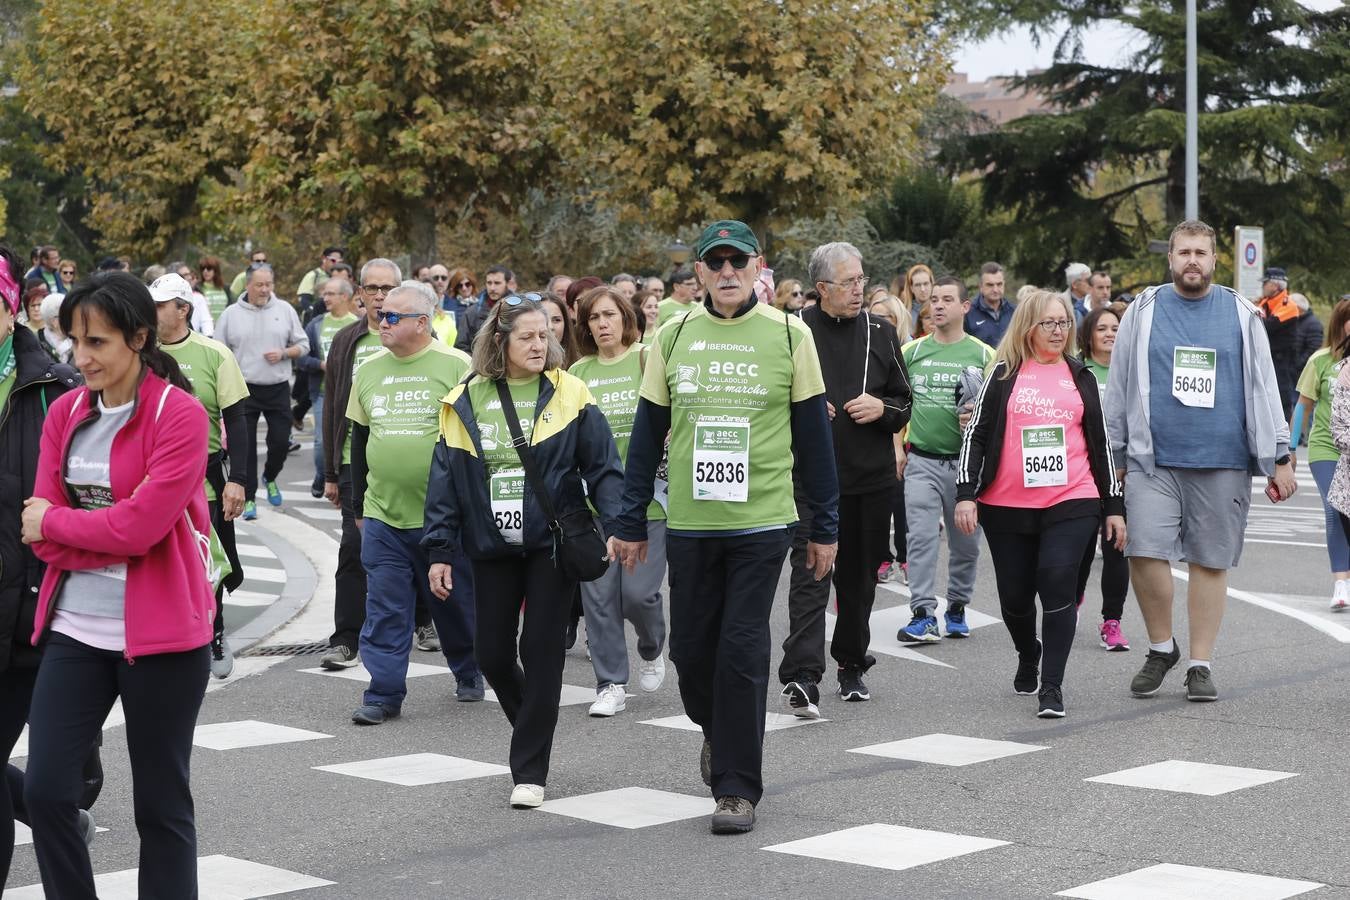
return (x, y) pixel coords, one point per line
(801, 698)
(1028, 673)
(734, 815)
(1200, 685)
(705, 762)
(1052, 702)
(293, 447)
(851, 687)
(1156, 666)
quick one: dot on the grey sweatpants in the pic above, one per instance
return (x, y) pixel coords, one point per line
(619, 595)
(930, 496)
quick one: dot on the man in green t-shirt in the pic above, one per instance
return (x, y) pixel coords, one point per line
(936, 362)
(738, 387)
(339, 301)
(683, 293)
(219, 384)
(394, 409)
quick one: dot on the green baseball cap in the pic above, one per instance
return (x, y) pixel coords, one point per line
(727, 233)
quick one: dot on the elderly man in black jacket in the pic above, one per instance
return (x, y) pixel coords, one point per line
(868, 396)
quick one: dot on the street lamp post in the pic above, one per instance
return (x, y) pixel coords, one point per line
(1192, 118)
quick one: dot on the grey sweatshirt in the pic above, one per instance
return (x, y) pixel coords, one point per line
(1127, 390)
(250, 331)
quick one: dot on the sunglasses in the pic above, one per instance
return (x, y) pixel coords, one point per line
(440, 277)
(738, 261)
(393, 318)
(208, 268)
(798, 294)
(67, 271)
(465, 284)
(517, 299)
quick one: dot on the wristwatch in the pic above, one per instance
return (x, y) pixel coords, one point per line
(1283, 460)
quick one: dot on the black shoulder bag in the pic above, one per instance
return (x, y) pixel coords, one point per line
(578, 549)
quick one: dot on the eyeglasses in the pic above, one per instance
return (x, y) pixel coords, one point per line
(1050, 326)
(440, 277)
(67, 271)
(517, 299)
(208, 268)
(376, 290)
(858, 282)
(738, 261)
(798, 294)
(393, 318)
(465, 284)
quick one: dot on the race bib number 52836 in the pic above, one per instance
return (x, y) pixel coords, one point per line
(722, 461)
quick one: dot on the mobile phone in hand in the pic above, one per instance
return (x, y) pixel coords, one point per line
(1273, 492)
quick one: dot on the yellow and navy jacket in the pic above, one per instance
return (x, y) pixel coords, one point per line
(571, 443)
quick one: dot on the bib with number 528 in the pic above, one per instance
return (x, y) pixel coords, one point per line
(1044, 456)
(507, 491)
(1193, 375)
(722, 461)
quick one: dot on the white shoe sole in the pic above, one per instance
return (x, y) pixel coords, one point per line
(1050, 714)
(809, 711)
(1118, 649)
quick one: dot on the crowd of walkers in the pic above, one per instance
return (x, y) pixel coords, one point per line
(508, 463)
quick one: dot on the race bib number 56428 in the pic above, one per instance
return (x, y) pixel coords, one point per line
(722, 461)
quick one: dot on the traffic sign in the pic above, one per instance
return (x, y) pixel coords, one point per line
(1249, 260)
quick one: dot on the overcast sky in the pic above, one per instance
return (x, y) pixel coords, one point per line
(1014, 52)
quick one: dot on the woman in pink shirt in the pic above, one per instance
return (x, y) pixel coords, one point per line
(1035, 454)
(125, 609)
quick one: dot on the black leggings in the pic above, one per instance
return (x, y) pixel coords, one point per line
(528, 689)
(1115, 575)
(271, 402)
(161, 694)
(1046, 564)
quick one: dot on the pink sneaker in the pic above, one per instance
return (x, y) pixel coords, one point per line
(1112, 639)
(883, 573)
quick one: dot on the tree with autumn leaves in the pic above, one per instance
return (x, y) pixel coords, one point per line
(389, 119)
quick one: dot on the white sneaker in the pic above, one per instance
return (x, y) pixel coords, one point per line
(609, 700)
(1340, 596)
(527, 796)
(652, 673)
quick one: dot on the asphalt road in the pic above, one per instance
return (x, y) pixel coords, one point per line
(1011, 822)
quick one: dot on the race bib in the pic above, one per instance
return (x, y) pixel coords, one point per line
(507, 490)
(1193, 370)
(722, 461)
(1044, 459)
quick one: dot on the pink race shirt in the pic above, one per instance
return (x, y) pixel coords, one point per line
(1045, 456)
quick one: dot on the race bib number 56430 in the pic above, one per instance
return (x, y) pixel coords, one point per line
(1193, 376)
(722, 461)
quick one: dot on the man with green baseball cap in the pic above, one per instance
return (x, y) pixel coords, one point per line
(737, 384)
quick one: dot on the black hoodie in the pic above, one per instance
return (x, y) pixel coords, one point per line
(38, 383)
(850, 349)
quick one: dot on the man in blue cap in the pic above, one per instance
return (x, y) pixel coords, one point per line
(738, 386)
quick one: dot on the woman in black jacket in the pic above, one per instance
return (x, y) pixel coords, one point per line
(1036, 456)
(30, 381)
(480, 502)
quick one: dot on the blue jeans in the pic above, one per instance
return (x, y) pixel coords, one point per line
(1338, 548)
(396, 581)
(316, 407)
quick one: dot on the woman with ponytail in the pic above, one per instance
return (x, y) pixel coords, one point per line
(126, 606)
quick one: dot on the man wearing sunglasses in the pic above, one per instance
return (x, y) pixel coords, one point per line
(307, 295)
(394, 410)
(683, 288)
(439, 277)
(350, 349)
(738, 386)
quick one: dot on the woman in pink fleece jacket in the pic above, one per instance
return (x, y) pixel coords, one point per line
(126, 606)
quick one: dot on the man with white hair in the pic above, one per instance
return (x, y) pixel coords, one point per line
(867, 399)
(58, 346)
(394, 410)
(1077, 275)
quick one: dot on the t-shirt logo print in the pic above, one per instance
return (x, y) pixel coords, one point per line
(378, 406)
(686, 379)
(487, 435)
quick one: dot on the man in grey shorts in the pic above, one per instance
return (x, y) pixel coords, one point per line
(1193, 408)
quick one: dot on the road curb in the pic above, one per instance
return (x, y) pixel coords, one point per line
(301, 581)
